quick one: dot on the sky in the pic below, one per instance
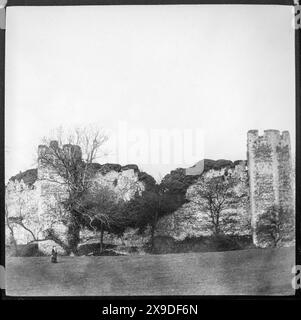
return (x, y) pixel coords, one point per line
(209, 73)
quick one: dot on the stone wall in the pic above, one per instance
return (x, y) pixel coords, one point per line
(124, 182)
(30, 214)
(39, 201)
(265, 179)
(190, 221)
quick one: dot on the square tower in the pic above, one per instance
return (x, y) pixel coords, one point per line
(270, 172)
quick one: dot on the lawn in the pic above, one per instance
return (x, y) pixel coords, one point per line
(256, 271)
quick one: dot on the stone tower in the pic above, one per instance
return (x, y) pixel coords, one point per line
(270, 172)
(51, 154)
(50, 184)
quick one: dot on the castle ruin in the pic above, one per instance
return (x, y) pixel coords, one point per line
(265, 179)
(270, 172)
(36, 202)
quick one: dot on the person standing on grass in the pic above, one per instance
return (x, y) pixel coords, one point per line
(54, 255)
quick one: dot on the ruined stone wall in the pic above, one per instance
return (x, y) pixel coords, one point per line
(40, 201)
(190, 221)
(21, 202)
(270, 172)
(267, 178)
(124, 182)
(36, 213)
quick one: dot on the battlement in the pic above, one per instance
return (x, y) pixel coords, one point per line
(70, 150)
(48, 155)
(270, 136)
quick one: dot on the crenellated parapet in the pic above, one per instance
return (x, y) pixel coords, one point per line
(52, 156)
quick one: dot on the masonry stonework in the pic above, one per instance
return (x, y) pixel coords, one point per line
(270, 172)
(39, 201)
(265, 179)
(190, 222)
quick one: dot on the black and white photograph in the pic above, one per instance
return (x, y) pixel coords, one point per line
(150, 150)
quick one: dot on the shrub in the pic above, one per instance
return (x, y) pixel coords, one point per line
(275, 226)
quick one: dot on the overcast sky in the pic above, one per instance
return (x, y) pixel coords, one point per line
(219, 69)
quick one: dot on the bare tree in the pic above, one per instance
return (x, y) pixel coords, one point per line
(214, 196)
(147, 208)
(102, 205)
(91, 139)
(72, 172)
(101, 212)
(10, 226)
(23, 213)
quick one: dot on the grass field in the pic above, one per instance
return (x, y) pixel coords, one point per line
(256, 271)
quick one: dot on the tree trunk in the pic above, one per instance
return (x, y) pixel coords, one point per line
(101, 239)
(276, 239)
(153, 229)
(13, 240)
(73, 236)
(55, 238)
(217, 231)
(217, 227)
(152, 237)
(11, 230)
